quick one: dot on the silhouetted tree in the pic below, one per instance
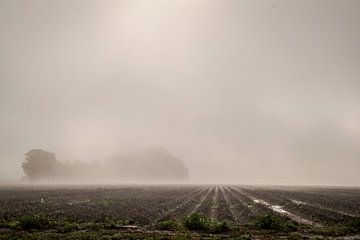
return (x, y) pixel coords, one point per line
(40, 164)
(153, 163)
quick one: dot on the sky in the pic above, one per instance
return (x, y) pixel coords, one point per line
(243, 91)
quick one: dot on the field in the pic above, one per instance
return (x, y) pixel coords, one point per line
(179, 212)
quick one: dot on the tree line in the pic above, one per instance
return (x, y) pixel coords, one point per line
(146, 164)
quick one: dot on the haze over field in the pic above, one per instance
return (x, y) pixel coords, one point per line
(251, 91)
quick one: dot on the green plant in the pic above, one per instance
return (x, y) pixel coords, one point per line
(9, 223)
(93, 226)
(35, 221)
(196, 222)
(290, 226)
(110, 223)
(219, 227)
(169, 225)
(354, 224)
(200, 222)
(268, 221)
(70, 226)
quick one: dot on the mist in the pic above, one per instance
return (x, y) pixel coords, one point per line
(247, 92)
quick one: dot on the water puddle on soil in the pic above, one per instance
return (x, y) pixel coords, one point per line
(78, 202)
(317, 206)
(280, 210)
(298, 202)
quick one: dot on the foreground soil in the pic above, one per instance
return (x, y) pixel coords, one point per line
(178, 212)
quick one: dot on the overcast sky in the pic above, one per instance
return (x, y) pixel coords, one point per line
(242, 91)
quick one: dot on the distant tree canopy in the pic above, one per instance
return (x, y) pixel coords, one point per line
(150, 164)
(40, 164)
(153, 164)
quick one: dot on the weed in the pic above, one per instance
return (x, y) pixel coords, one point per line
(272, 222)
(197, 222)
(354, 224)
(9, 223)
(70, 226)
(200, 222)
(169, 225)
(35, 221)
(94, 226)
(268, 222)
(219, 227)
(291, 226)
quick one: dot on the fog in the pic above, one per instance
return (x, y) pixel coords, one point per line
(247, 92)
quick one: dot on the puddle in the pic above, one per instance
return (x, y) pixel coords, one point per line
(79, 202)
(280, 210)
(324, 208)
(261, 202)
(298, 202)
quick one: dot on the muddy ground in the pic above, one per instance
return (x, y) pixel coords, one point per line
(163, 212)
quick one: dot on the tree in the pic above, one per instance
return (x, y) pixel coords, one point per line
(147, 164)
(40, 164)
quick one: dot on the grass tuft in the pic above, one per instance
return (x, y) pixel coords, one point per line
(168, 225)
(196, 222)
(273, 222)
(35, 221)
(70, 227)
(200, 222)
(354, 225)
(268, 222)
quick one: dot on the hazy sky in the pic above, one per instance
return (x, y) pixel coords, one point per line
(243, 91)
